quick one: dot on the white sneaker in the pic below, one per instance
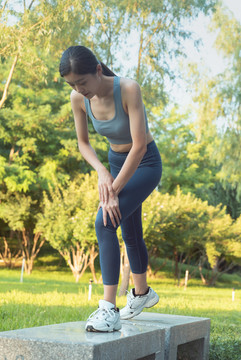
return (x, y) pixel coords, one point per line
(135, 304)
(105, 318)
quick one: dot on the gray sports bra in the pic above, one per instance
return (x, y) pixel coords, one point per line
(117, 130)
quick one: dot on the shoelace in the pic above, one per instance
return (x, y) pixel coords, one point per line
(103, 311)
(129, 298)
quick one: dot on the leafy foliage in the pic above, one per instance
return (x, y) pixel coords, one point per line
(218, 101)
(183, 225)
(42, 174)
(67, 220)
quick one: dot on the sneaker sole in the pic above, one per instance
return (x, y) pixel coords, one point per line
(149, 304)
(90, 328)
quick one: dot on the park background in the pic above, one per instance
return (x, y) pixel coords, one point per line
(48, 193)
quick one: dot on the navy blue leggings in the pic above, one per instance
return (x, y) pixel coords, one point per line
(139, 187)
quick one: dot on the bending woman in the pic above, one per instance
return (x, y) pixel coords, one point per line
(114, 104)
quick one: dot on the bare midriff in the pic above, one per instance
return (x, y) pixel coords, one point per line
(127, 147)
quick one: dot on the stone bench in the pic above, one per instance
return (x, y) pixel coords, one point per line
(186, 337)
(148, 336)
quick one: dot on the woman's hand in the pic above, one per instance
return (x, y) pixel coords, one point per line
(111, 207)
(105, 186)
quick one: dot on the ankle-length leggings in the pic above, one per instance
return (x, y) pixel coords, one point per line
(138, 188)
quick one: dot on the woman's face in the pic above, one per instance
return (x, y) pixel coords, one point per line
(87, 84)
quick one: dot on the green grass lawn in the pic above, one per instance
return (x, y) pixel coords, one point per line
(50, 297)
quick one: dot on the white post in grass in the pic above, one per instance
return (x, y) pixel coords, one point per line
(21, 278)
(186, 279)
(233, 294)
(90, 289)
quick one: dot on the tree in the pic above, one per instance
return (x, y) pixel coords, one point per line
(37, 135)
(218, 100)
(159, 29)
(30, 28)
(19, 213)
(189, 165)
(173, 226)
(183, 228)
(222, 244)
(67, 222)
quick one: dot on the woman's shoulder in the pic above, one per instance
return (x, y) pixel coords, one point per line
(129, 88)
(77, 100)
(128, 83)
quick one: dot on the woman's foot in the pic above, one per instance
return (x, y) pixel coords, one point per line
(106, 318)
(136, 303)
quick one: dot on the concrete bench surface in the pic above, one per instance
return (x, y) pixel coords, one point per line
(148, 336)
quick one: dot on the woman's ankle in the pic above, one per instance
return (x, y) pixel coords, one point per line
(139, 292)
(110, 301)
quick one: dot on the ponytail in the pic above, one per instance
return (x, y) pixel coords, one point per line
(106, 71)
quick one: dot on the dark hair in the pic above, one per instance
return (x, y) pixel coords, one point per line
(81, 60)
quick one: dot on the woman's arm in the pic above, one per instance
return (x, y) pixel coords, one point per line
(133, 100)
(86, 150)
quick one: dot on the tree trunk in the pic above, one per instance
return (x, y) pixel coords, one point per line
(4, 97)
(182, 261)
(28, 265)
(214, 273)
(159, 268)
(28, 252)
(149, 271)
(139, 56)
(126, 276)
(210, 280)
(175, 253)
(93, 255)
(201, 274)
(77, 260)
(6, 255)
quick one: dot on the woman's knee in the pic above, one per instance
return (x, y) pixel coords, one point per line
(99, 222)
(100, 228)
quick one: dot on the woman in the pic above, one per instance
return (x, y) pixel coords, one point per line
(116, 109)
